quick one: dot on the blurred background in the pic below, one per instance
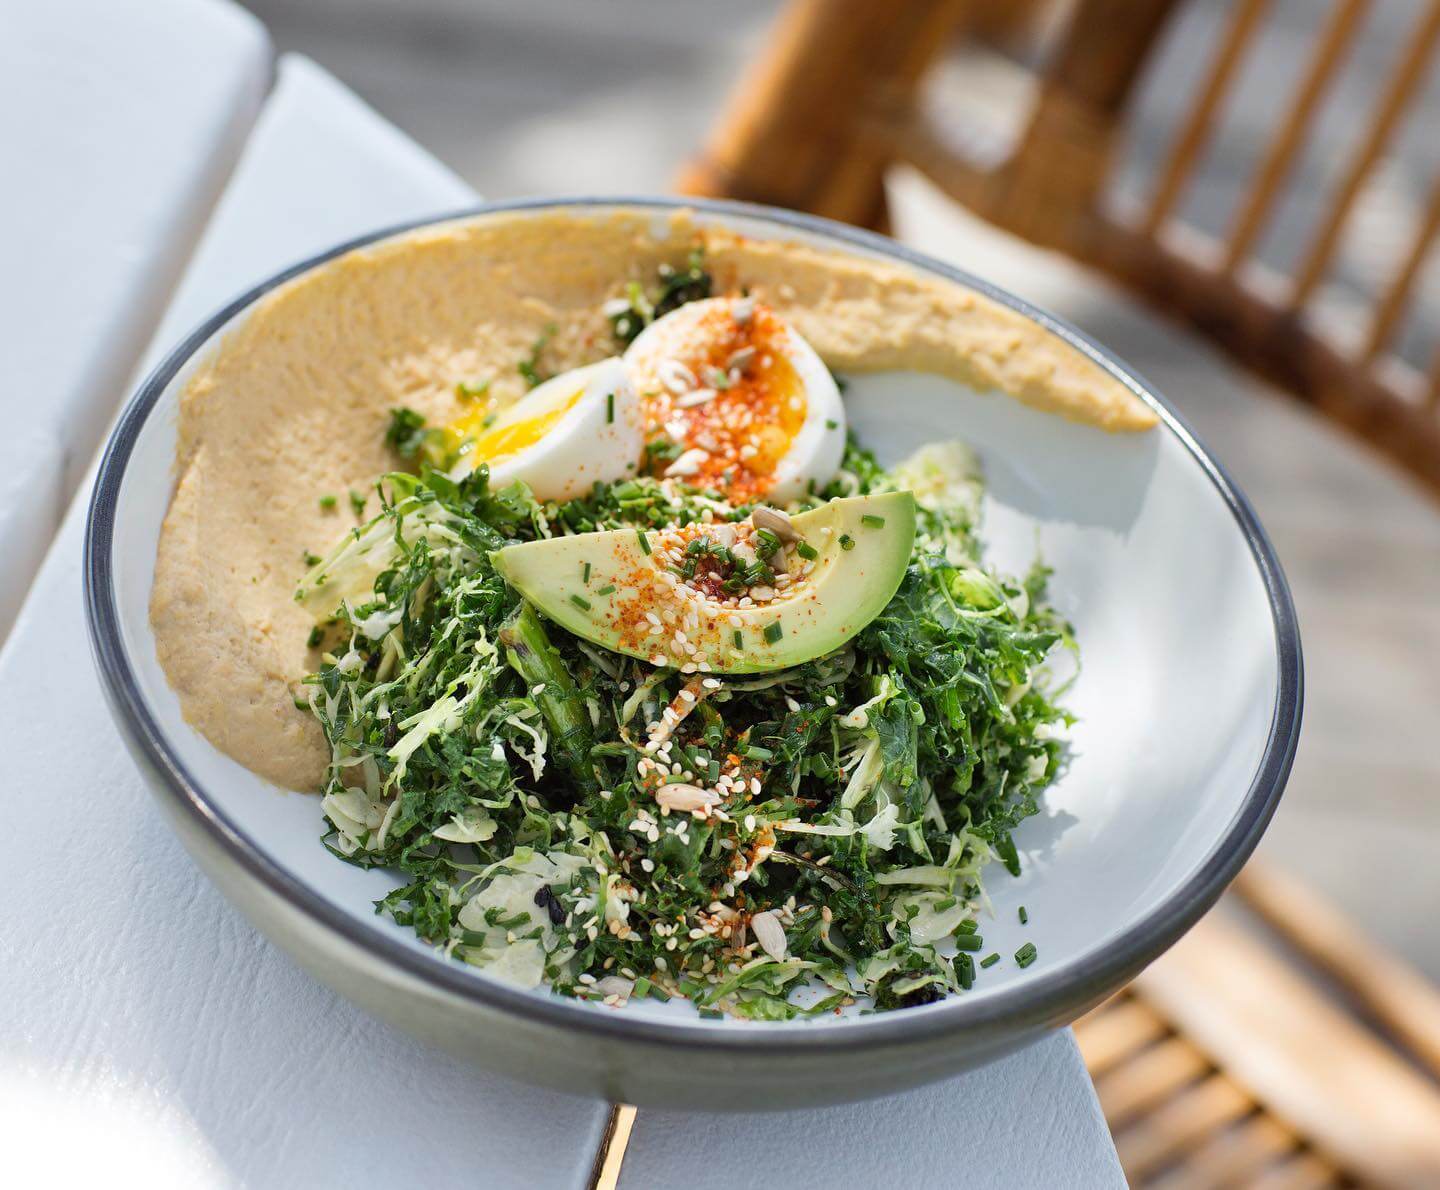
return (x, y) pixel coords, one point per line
(1262, 201)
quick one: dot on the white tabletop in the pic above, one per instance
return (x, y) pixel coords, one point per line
(149, 1030)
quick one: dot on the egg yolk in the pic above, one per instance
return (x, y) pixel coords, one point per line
(487, 436)
(734, 439)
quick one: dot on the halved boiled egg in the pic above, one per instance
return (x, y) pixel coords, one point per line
(750, 407)
(560, 438)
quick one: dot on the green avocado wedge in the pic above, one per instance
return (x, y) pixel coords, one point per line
(612, 588)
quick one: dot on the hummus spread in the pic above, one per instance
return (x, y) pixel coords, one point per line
(293, 405)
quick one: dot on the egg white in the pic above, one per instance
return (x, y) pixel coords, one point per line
(599, 438)
(657, 358)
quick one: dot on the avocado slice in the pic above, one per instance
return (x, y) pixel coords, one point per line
(612, 587)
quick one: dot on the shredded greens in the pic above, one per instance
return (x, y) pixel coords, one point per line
(493, 760)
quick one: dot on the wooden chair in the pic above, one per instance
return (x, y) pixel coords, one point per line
(833, 105)
(1288, 1051)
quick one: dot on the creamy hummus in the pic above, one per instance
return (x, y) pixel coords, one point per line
(294, 402)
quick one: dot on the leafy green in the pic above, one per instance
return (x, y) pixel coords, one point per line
(676, 286)
(498, 765)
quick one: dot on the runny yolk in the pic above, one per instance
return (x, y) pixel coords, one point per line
(747, 428)
(483, 435)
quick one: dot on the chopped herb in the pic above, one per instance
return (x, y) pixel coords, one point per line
(990, 959)
(470, 392)
(607, 589)
(644, 541)
(847, 542)
(406, 433)
(585, 574)
(311, 560)
(739, 639)
(661, 450)
(1026, 954)
(871, 521)
(609, 408)
(773, 632)
(328, 503)
(529, 367)
(1024, 917)
(755, 752)
(806, 551)
(677, 286)
(581, 602)
(968, 941)
(357, 503)
(315, 637)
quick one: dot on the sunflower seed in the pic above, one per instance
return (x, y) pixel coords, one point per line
(769, 933)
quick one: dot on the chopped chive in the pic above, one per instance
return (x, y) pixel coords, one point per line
(806, 551)
(315, 637)
(357, 503)
(773, 632)
(581, 602)
(642, 988)
(607, 589)
(312, 559)
(609, 407)
(965, 971)
(755, 752)
(585, 574)
(1026, 954)
(847, 542)
(327, 503)
(831, 424)
(1024, 917)
(969, 941)
(739, 639)
(466, 391)
(990, 959)
(965, 927)
(644, 541)
(871, 521)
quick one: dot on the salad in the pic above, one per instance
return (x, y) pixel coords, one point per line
(656, 683)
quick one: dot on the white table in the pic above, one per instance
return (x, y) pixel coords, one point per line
(167, 162)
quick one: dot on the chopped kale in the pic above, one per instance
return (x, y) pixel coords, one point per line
(498, 763)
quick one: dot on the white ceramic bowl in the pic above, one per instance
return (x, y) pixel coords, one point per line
(1189, 706)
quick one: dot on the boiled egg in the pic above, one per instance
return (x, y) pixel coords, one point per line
(563, 436)
(750, 408)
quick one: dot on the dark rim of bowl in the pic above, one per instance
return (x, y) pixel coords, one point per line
(1046, 997)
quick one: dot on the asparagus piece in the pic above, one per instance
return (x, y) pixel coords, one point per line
(531, 655)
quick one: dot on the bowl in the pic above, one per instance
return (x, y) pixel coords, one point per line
(1188, 702)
